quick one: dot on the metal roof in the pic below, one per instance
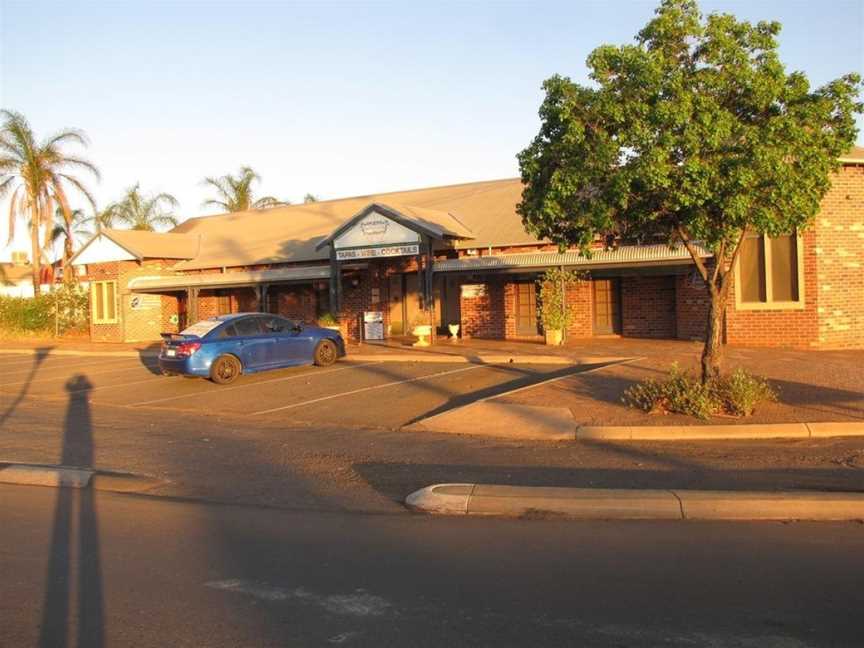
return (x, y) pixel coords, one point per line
(214, 280)
(622, 256)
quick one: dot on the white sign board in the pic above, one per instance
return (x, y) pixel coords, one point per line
(375, 230)
(381, 252)
(145, 302)
(470, 291)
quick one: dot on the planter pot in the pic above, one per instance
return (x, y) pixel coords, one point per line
(454, 331)
(423, 332)
(554, 337)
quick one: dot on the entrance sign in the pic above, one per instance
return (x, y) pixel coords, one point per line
(375, 229)
(373, 325)
(379, 252)
(470, 291)
(145, 302)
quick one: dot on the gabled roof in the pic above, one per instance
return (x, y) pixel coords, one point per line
(483, 211)
(148, 245)
(439, 225)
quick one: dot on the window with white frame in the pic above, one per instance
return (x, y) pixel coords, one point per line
(770, 272)
(103, 302)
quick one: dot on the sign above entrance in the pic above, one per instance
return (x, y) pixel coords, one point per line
(376, 230)
(379, 252)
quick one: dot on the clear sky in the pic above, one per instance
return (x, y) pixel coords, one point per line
(332, 98)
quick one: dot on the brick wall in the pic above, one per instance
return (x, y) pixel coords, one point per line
(691, 307)
(490, 315)
(839, 253)
(648, 307)
(580, 303)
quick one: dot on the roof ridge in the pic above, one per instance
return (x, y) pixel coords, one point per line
(332, 200)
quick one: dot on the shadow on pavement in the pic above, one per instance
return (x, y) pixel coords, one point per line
(40, 355)
(75, 510)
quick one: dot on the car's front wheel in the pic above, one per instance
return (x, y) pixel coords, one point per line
(326, 353)
(225, 370)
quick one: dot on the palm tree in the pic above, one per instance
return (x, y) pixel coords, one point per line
(144, 212)
(69, 232)
(103, 218)
(234, 193)
(38, 173)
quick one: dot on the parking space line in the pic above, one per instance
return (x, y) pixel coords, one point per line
(135, 382)
(66, 377)
(222, 390)
(365, 389)
(40, 366)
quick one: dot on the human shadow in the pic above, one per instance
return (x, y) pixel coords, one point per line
(40, 355)
(75, 510)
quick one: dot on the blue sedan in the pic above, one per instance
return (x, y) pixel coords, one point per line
(221, 348)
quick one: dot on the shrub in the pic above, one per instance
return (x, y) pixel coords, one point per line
(741, 392)
(554, 284)
(683, 393)
(37, 314)
(328, 319)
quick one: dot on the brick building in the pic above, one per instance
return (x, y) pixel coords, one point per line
(459, 255)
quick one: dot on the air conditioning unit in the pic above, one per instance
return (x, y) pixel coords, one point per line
(19, 258)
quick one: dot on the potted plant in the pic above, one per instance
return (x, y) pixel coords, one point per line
(330, 321)
(554, 314)
(422, 329)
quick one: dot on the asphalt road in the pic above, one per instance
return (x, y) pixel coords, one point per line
(161, 573)
(366, 394)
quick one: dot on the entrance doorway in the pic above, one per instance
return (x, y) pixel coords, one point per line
(526, 308)
(404, 302)
(607, 306)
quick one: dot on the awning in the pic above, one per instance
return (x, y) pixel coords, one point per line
(625, 256)
(229, 279)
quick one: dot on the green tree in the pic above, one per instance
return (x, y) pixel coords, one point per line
(234, 193)
(694, 134)
(310, 198)
(37, 174)
(144, 211)
(69, 232)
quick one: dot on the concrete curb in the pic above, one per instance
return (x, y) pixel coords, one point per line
(623, 504)
(56, 476)
(717, 432)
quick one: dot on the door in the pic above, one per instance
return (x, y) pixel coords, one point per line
(397, 321)
(257, 348)
(293, 341)
(526, 308)
(607, 307)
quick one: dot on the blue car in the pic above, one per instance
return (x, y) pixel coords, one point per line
(221, 348)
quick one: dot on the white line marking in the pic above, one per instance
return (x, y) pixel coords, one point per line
(365, 389)
(68, 377)
(360, 603)
(39, 366)
(222, 390)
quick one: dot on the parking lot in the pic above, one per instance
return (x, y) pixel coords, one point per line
(367, 394)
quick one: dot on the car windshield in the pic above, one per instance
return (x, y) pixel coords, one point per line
(202, 328)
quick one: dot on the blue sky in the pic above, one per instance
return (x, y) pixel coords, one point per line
(331, 98)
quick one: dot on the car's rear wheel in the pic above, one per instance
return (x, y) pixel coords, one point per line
(225, 369)
(326, 353)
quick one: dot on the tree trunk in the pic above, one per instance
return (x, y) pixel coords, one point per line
(713, 351)
(36, 258)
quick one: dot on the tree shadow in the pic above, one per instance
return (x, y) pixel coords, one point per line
(40, 355)
(63, 565)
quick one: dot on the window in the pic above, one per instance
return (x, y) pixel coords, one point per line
(248, 326)
(103, 302)
(769, 273)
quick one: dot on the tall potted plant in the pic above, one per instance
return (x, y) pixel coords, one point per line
(554, 313)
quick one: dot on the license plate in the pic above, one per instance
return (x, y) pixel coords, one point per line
(170, 353)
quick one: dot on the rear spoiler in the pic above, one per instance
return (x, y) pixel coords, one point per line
(177, 337)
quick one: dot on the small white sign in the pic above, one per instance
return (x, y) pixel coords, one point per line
(384, 251)
(375, 229)
(145, 302)
(470, 291)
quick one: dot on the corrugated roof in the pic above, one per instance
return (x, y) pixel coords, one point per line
(155, 245)
(625, 255)
(11, 273)
(213, 280)
(485, 210)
